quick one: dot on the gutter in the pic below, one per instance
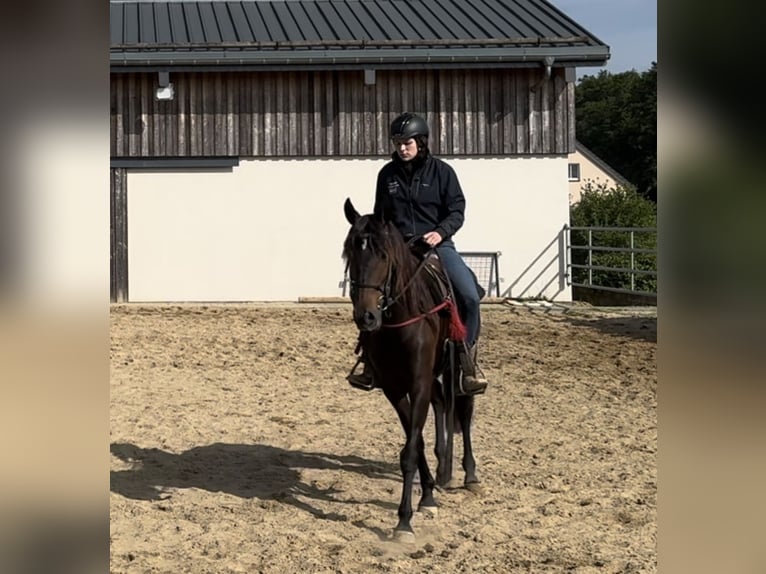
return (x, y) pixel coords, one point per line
(361, 57)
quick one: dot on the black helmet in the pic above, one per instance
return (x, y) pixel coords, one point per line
(408, 125)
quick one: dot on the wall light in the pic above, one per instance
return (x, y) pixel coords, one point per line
(165, 90)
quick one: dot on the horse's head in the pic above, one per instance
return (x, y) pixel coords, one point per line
(368, 253)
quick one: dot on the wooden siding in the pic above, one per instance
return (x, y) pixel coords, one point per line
(333, 113)
(118, 235)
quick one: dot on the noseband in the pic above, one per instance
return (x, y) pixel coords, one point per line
(384, 301)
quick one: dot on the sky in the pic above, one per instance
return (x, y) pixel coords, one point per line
(628, 27)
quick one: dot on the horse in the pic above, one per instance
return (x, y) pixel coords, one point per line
(408, 331)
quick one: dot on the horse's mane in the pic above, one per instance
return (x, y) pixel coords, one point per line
(385, 238)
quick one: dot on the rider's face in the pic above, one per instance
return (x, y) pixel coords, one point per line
(407, 148)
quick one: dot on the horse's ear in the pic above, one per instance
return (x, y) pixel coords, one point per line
(351, 213)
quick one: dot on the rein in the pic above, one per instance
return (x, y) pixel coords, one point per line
(439, 307)
(393, 301)
(456, 328)
(385, 289)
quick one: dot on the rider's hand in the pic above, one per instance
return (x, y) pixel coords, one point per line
(433, 238)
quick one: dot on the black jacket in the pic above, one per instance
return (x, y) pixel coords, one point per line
(426, 198)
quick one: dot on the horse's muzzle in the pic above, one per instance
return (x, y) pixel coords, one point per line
(368, 320)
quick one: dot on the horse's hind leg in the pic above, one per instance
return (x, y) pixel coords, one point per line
(427, 502)
(443, 458)
(464, 408)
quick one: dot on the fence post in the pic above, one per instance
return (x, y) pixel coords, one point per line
(568, 254)
(632, 263)
(497, 273)
(590, 257)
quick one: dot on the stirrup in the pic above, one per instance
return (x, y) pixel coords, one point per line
(363, 380)
(470, 385)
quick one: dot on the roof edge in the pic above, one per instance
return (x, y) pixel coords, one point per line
(363, 43)
(366, 57)
(613, 173)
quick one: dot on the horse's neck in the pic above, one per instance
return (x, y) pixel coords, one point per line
(417, 295)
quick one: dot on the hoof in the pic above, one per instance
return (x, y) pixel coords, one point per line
(405, 536)
(474, 487)
(429, 510)
(442, 481)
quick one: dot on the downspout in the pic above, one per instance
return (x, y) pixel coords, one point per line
(548, 70)
(548, 63)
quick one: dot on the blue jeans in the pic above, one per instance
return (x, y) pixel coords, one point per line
(464, 283)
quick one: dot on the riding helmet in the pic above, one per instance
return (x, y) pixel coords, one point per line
(408, 125)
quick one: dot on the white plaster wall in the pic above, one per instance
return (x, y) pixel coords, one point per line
(272, 230)
(518, 206)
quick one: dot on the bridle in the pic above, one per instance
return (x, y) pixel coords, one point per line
(386, 301)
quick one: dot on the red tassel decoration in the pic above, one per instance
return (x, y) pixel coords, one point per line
(457, 330)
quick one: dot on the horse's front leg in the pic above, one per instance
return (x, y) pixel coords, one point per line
(407, 464)
(412, 413)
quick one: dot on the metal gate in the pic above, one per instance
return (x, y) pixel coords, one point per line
(617, 259)
(485, 266)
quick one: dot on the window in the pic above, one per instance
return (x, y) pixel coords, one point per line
(574, 172)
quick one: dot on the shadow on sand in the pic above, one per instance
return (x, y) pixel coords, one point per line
(246, 471)
(639, 328)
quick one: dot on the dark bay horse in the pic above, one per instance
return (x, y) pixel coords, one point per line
(406, 334)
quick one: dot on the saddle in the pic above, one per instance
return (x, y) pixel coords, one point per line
(439, 283)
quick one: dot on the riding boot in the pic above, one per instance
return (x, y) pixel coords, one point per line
(473, 381)
(362, 380)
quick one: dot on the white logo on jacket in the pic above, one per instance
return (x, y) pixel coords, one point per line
(393, 187)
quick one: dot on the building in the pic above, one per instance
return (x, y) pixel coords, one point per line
(585, 167)
(239, 128)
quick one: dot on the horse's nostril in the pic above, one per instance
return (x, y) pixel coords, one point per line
(368, 320)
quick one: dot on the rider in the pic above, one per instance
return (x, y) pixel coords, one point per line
(421, 195)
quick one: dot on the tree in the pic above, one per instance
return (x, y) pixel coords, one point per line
(615, 207)
(616, 117)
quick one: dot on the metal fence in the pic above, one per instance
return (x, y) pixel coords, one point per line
(633, 256)
(484, 264)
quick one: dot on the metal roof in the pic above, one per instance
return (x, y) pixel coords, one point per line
(355, 33)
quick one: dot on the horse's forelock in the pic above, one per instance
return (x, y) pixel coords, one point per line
(383, 238)
(365, 226)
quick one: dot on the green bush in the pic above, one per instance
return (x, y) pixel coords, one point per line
(621, 206)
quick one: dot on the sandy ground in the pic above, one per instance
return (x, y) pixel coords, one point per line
(237, 446)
